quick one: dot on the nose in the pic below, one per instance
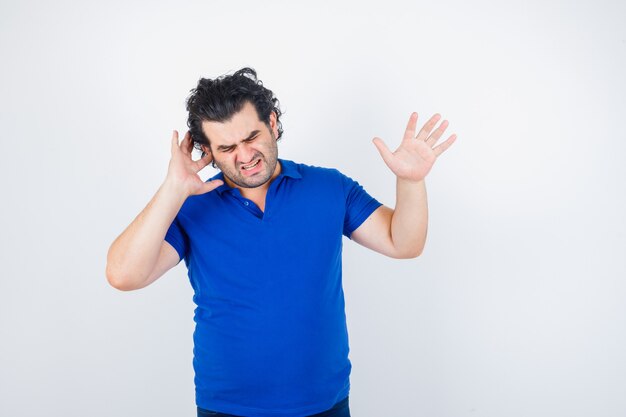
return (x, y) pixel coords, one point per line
(245, 153)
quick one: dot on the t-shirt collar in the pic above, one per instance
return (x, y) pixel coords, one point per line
(288, 169)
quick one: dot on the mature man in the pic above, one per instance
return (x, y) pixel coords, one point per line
(262, 242)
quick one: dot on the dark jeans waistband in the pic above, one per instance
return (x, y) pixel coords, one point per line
(340, 409)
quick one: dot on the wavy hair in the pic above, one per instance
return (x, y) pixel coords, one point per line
(219, 99)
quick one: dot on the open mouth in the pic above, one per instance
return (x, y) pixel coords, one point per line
(252, 166)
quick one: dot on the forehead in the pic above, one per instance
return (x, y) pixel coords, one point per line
(234, 130)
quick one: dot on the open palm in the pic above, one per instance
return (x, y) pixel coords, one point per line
(416, 155)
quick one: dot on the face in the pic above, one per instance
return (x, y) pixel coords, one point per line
(244, 148)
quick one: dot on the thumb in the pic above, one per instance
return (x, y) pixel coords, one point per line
(383, 150)
(210, 186)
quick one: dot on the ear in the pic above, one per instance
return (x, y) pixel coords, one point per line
(273, 124)
(206, 149)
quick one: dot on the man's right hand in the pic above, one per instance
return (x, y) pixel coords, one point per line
(183, 171)
(140, 254)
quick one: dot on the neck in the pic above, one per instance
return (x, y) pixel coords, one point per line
(261, 190)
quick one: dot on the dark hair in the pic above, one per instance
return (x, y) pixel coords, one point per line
(218, 100)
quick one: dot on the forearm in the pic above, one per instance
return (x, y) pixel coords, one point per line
(133, 255)
(409, 222)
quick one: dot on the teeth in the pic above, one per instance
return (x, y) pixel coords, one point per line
(251, 166)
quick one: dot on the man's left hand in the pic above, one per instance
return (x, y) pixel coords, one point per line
(416, 154)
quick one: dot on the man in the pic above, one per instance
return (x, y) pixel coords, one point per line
(262, 241)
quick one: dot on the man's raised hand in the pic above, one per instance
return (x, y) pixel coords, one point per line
(416, 155)
(183, 171)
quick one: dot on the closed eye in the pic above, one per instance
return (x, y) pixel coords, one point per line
(251, 139)
(231, 148)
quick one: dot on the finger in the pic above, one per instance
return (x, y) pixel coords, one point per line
(203, 162)
(187, 144)
(432, 139)
(210, 186)
(430, 124)
(174, 142)
(384, 151)
(409, 133)
(445, 145)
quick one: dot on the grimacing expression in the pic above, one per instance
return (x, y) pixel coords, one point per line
(244, 148)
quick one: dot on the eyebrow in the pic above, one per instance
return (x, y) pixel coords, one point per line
(250, 136)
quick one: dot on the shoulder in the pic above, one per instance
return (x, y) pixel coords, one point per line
(328, 177)
(317, 171)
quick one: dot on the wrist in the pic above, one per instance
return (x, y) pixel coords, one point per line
(409, 181)
(174, 190)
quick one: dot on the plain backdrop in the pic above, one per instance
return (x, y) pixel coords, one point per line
(515, 308)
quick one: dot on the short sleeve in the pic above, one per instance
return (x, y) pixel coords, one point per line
(176, 237)
(359, 205)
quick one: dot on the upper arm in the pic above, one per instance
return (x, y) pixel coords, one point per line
(375, 233)
(168, 258)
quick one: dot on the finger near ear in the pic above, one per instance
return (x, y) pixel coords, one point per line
(203, 162)
(186, 145)
(174, 140)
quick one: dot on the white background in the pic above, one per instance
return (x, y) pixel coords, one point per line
(515, 308)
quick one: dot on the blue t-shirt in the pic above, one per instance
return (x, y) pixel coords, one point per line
(271, 336)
